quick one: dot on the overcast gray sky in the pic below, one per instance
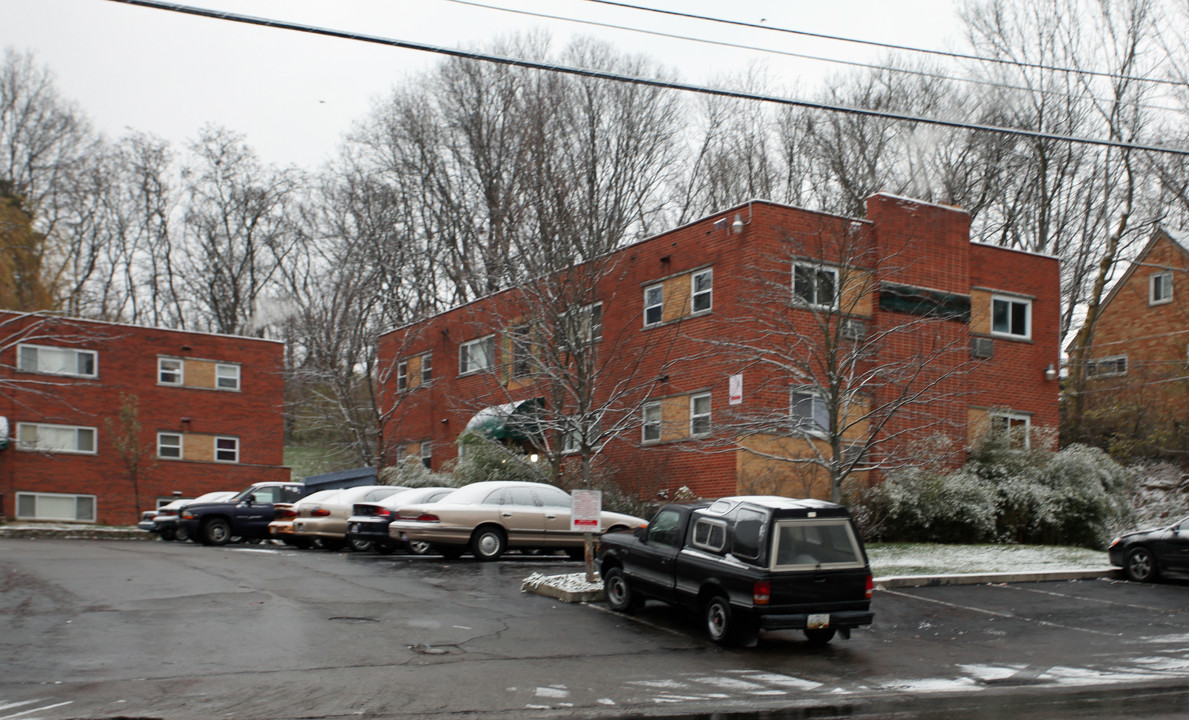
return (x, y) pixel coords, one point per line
(293, 94)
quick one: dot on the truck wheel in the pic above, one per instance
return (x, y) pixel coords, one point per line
(720, 620)
(619, 594)
(1140, 565)
(819, 637)
(168, 535)
(181, 534)
(488, 543)
(216, 531)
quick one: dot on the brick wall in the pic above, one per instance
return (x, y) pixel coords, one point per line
(127, 366)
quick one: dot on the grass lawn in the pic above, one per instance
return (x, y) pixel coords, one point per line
(896, 559)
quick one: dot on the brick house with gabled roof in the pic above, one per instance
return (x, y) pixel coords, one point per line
(682, 312)
(1136, 373)
(208, 416)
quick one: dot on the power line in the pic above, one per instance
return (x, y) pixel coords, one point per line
(890, 46)
(647, 82)
(803, 56)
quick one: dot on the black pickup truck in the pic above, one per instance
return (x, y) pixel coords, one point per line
(246, 515)
(745, 564)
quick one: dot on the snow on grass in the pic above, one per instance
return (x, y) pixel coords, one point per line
(897, 559)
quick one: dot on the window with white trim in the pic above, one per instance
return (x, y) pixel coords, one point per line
(571, 439)
(651, 430)
(169, 446)
(226, 449)
(520, 338)
(701, 291)
(402, 376)
(426, 453)
(654, 302)
(808, 410)
(170, 371)
(426, 367)
(227, 377)
(815, 285)
(1011, 317)
(709, 534)
(699, 414)
(1107, 366)
(43, 437)
(476, 355)
(1014, 426)
(1160, 288)
(55, 506)
(58, 361)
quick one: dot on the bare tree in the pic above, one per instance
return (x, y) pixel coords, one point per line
(237, 231)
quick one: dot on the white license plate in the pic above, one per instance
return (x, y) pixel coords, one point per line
(821, 620)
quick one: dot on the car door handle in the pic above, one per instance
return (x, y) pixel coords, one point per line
(550, 517)
(505, 514)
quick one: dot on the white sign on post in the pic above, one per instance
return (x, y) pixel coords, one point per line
(586, 511)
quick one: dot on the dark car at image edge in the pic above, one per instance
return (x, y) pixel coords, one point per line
(1146, 555)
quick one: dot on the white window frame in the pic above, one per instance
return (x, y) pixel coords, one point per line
(179, 371)
(695, 416)
(649, 422)
(571, 437)
(466, 364)
(810, 424)
(706, 292)
(658, 305)
(426, 367)
(1094, 367)
(1013, 419)
(180, 447)
(817, 269)
(221, 375)
(1160, 282)
(1012, 300)
(426, 453)
(23, 445)
(402, 376)
(219, 450)
(711, 526)
(37, 516)
(74, 354)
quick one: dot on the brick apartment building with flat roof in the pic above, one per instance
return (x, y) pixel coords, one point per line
(208, 417)
(732, 351)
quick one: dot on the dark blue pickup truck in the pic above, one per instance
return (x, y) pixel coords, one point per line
(745, 564)
(245, 515)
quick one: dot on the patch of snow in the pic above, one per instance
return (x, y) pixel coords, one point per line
(571, 582)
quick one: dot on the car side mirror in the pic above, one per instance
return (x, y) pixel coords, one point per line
(251, 499)
(641, 533)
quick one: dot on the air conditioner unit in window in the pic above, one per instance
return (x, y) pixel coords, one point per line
(982, 347)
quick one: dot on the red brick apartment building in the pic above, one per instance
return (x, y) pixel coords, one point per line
(705, 337)
(208, 417)
(1137, 367)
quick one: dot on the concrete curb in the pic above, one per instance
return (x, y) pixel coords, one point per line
(70, 532)
(1003, 577)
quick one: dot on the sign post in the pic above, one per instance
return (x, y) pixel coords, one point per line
(586, 516)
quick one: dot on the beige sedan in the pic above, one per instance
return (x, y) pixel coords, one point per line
(488, 518)
(325, 521)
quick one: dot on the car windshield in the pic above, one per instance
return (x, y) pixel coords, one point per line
(820, 543)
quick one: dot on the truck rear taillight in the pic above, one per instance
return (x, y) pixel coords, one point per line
(761, 592)
(870, 587)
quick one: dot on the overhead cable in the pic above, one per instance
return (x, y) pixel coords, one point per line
(647, 82)
(802, 56)
(891, 46)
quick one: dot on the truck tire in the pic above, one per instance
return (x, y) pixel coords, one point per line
(181, 534)
(168, 534)
(720, 620)
(488, 543)
(216, 531)
(619, 594)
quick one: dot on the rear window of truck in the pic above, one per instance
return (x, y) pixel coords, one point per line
(806, 544)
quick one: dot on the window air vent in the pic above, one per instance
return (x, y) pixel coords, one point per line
(982, 347)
